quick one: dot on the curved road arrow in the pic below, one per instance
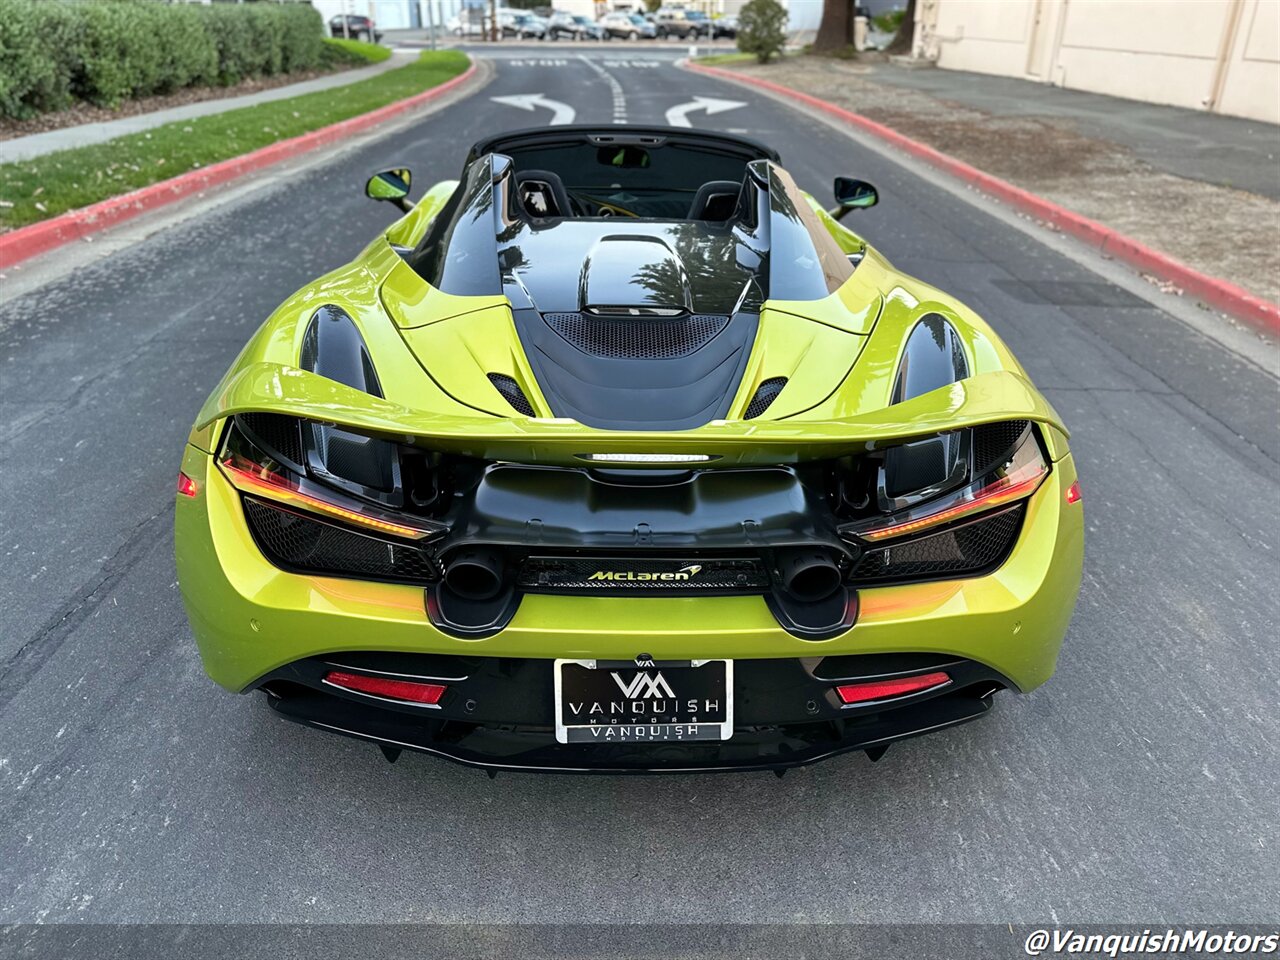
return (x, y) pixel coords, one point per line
(678, 116)
(561, 113)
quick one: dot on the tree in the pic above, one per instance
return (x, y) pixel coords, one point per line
(762, 29)
(835, 31)
(903, 39)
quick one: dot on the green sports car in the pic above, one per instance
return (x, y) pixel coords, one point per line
(621, 453)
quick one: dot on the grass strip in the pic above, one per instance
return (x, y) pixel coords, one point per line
(43, 187)
(719, 59)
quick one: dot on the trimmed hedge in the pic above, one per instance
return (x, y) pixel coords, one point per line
(54, 52)
(355, 51)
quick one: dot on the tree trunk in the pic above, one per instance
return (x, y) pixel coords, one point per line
(901, 42)
(835, 32)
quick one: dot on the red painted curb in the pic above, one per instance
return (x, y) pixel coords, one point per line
(30, 241)
(1213, 291)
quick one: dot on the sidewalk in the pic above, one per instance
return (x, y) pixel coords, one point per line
(1197, 145)
(39, 144)
(1157, 174)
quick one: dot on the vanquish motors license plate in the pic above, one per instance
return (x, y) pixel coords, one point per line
(616, 701)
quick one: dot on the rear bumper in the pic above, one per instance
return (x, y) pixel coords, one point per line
(498, 713)
(251, 618)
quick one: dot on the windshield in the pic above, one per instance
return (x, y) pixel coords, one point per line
(632, 181)
(637, 19)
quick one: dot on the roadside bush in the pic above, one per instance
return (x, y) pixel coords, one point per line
(762, 29)
(53, 52)
(889, 22)
(338, 50)
(40, 48)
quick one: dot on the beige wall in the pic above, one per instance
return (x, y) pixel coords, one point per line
(1221, 55)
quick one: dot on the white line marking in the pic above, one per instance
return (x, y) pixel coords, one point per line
(561, 113)
(678, 116)
(619, 95)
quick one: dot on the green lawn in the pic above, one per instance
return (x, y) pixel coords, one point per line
(46, 186)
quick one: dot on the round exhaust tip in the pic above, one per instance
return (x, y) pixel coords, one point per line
(475, 575)
(809, 575)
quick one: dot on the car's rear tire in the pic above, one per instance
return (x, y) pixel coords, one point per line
(633, 35)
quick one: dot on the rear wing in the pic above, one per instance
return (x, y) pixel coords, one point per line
(275, 388)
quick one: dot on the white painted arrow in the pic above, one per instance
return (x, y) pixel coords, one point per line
(678, 116)
(561, 113)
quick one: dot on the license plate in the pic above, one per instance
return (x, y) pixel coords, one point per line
(608, 701)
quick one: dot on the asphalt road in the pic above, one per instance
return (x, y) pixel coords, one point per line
(1139, 785)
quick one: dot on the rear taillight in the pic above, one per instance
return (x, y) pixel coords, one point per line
(1016, 479)
(186, 486)
(1073, 493)
(408, 691)
(253, 470)
(872, 690)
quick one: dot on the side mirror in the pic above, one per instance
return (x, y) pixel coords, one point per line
(853, 194)
(392, 186)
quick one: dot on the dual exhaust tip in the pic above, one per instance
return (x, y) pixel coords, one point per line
(475, 574)
(809, 575)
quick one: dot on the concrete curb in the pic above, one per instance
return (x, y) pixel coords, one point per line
(1213, 291)
(37, 238)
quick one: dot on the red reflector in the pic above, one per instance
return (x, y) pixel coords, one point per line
(407, 690)
(186, 486)
(1073, 493)
(885, 689)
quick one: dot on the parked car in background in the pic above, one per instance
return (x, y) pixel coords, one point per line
(466, 26)
(356, 28)
(702, 22)
(680, 23)
(574, 27)
(629, 26)
(724, 27)
(521, 25)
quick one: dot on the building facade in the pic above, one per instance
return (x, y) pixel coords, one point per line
(802, 15)
(393, 14)
(1217, 55)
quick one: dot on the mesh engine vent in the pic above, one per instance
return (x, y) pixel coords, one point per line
(293, 541)
(766, 393)
(993, 442)
(511, 393)
(275, 431)
(971, 548)
(637, 338)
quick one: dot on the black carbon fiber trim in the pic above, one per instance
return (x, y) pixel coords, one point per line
(296, 542)
(766, 393)
(642, 575)
(993, 443)
(967, 550)
(511, 393)
(276, 433)
(638, 393)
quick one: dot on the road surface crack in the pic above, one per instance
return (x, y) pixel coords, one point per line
(27, 660)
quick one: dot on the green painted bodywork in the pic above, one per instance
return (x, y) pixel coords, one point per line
(433, 352)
